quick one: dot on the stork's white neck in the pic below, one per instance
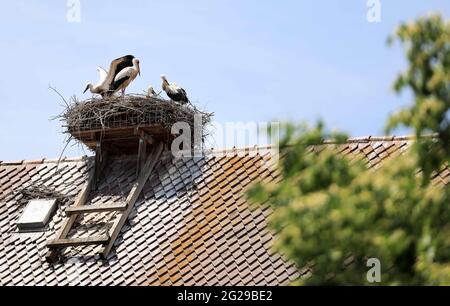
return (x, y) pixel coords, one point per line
(135, 64)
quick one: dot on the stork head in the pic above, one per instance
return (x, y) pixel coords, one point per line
(163, 77)
(136, 63)
(88, 86)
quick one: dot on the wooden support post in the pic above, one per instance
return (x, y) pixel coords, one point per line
(143, 135)
(98, 162)
(141, 155)
(150, 164)
(144, 140)
(149, 139)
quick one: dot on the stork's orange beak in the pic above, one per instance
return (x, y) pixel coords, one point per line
(87, 87)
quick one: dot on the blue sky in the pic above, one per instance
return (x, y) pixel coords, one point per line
(246, 60)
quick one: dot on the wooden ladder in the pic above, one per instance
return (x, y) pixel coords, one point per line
(145, 167)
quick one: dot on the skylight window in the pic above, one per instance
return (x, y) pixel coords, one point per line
(36, 215)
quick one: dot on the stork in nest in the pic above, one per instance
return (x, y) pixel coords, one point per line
(151, 93)
(173, 91)
(122, 71)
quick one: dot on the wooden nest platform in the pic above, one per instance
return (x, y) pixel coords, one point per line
(118, 124)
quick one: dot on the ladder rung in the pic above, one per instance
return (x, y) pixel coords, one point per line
(94, 208)
(103, 239)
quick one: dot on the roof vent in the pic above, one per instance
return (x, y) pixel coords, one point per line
(36, 214)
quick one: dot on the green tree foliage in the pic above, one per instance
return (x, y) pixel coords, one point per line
(427, 45)
(328, 206)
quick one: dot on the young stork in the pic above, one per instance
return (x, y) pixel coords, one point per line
(173, 91)
(125, 77)
(151, 93)
(99, 88)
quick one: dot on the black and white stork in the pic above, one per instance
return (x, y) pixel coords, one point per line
(122, 71)
(125, 76)
(173, 91)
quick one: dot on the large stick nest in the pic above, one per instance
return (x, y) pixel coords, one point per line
(130, 110)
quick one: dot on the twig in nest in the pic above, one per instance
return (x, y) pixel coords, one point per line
(59, 94)
(64, 149)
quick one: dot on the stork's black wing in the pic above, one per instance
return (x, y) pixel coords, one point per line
(117, 83)
(118, 65)
(184, 96)
(174, 95)
(123, 62)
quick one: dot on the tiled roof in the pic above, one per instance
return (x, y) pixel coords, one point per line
(191, 225)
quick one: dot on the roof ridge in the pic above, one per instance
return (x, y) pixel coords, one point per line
(379, 138)
(43, 161)
(363, 139)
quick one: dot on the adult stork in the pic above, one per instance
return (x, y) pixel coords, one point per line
(125, 76)
(100, 88)
(173, 91)
(107, 85)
